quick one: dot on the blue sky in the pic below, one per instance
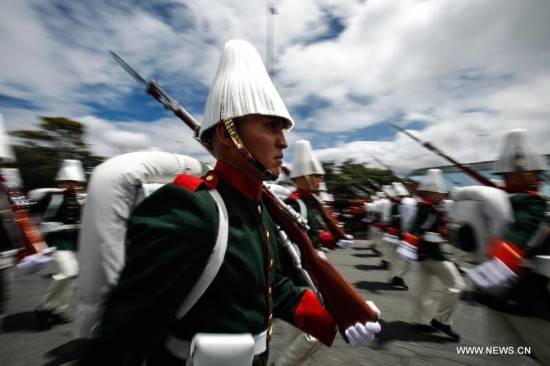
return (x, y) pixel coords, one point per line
(457, 73)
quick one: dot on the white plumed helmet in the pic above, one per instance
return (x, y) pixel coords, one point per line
(433, 182)
(399, 189)
(517, 156)
(12, 177)
(71, 170)
(241, 87)
(388, 190)
(304, 162)
(6, 151)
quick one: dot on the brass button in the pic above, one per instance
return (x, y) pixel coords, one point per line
(267, 235)
(271, 263)
(209, 178)
(270, 291)
(259, 209)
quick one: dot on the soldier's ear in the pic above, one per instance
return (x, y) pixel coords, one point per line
(222, 134)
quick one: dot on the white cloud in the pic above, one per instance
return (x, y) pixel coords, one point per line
(468, 70)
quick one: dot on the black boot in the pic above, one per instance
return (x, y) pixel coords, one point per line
(398, 282)
(61, 318)
(445, 329)
(43, 319)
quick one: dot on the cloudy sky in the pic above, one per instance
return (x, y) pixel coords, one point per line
(458, 73)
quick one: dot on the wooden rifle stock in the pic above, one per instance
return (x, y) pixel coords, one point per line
(343, 302)
(32, 238)
(330, 220)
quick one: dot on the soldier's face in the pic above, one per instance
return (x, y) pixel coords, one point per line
(264, 137)
(523, 180)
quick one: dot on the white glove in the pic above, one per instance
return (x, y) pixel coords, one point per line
(493, 277)
(343, 243)
(359, 334)
(36, 262)
(502, 271)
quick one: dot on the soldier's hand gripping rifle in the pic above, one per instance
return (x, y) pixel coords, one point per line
(344, 303)
(471, 172)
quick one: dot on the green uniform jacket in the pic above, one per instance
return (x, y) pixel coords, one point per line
(313, 220)
(170, 236)
(68, 213)
(529, 212)
(531, 296)
(427, 221)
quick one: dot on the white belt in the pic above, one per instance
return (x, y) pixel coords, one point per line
(180, 348)
(390, 238)
(432, 237)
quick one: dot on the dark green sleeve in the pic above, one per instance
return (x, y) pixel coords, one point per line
(312, 220)
(170, 236)
(528, 215)
(426, 218)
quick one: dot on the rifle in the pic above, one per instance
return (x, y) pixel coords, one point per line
(471, 172)
(33, 242)
(407, 182)
(374, 184)
(343, 302)
(328, 218)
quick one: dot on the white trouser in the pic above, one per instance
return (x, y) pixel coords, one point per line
(377, 238)
(297, 347)
(60, 293)
(398, 266)
(453, 285)
(507, 330)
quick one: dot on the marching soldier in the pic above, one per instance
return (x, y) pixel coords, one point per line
(518, 299)
(383, 209)
(18, 236)
(159, 310)
(59, 210)
(10, 236)
(307, 174)
(424, 242)
(401, 219)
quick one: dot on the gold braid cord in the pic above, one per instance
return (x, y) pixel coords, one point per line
(232, 130)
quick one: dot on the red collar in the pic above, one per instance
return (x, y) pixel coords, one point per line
(303, 192)
(236, 179)
(517, 190)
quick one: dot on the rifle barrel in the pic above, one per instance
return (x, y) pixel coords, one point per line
(469, 171)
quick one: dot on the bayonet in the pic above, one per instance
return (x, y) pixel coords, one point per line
(155, 89)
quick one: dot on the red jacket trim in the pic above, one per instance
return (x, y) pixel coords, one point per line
(190, 182)
(314, 319)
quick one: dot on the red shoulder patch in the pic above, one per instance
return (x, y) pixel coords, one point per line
(294, 196)
(190, 182)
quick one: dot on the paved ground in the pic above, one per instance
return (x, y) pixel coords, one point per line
(397, 344)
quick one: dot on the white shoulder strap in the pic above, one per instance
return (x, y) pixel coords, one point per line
(303, 208)
(214, 261)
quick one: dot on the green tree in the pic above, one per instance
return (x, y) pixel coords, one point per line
(350, 180)
(40, 152)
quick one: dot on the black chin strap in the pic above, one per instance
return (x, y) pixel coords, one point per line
(230, 127)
